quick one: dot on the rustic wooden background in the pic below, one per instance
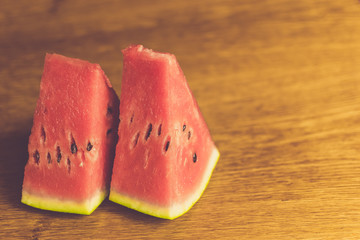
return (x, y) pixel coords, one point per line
(277, 81)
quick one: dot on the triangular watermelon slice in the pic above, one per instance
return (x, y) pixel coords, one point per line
(73, 138)
(165, 155)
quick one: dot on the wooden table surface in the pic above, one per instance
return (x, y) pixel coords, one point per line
(278, 83)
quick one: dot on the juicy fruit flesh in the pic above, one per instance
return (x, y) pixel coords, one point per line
(164, 147)
(165, 158)
(70, 150)
(172, 211)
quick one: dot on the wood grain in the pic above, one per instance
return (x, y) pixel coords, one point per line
(277, 81)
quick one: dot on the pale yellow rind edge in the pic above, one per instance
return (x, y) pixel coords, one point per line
(54, 204)
(174, 211)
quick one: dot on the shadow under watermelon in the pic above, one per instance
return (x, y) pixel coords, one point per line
(13, 157)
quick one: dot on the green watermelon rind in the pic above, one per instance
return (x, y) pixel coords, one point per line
(174, 211)
(60, 205)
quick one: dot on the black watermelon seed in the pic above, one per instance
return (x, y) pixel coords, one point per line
(135, 141)
(148, 132)
(184, 127)
(194, 157)
(49, 158)
(68, 165)
(89, 146)
(73, 148)
(189, 135)
(167, 146)
(36, 156)
(108, 131)
(58, 154)
(159, 130)
(132, 118)
(43, 134)
(109, 110)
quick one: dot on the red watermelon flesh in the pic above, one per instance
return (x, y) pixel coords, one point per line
(72, 141)
(165, 154)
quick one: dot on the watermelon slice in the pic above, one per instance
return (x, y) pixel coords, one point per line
(73, 138)
(165, 155)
